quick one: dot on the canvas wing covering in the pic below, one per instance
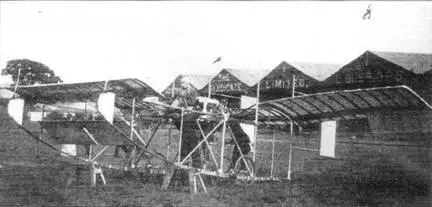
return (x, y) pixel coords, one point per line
(346, 104)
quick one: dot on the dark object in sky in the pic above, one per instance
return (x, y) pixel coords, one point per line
(368, 14)
(217, 60)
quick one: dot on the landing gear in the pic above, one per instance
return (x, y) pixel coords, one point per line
(244, 170)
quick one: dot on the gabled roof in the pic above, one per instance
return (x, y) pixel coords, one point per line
(191, 82)
(198, 81)
(319, 71)
(418, 63)
(249, 77)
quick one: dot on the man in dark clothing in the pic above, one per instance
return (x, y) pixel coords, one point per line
(191, 135)
(190, 138)
(243, 141)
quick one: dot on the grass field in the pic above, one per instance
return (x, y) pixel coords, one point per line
(36, 177)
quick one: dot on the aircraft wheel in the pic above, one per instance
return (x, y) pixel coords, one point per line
(150, 164)
(244, 168)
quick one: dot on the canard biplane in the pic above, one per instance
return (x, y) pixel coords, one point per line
(128, 108)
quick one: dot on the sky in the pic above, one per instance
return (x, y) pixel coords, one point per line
(156, 41)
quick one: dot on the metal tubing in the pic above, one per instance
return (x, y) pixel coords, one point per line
(222, 145)
(89, 135)
(132, 118)
(99, 153)
(169, 142)
(208, 145)
(105, 85)
(17, 82)
(228, 96)
(306, 149)
(135, 132)
(36, 137)
(202, 183)
(90, 152)
(273, 153)
(153, 134)
(290, 157)
(181, 134)
(256, 121)
(202, 141)
(85, 108)
(133, 152)
(289, 163)
(139, 137)
(124, 135)
(41, 132)
(291, 127)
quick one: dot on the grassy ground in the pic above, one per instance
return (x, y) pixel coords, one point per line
(30, 180)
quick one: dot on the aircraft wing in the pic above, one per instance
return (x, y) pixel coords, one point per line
(346, 104)
(76, 92)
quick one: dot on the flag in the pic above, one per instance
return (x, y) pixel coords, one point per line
(217, 60)
(368, 14)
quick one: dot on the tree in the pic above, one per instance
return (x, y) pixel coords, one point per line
(32, 72)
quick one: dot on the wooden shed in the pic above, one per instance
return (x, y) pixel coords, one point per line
(373, 69)
(305, 76)
(232, 83)
(381, 69)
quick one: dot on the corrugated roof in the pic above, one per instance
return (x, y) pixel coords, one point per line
(418, 63)
(319, 71)
(249, 77)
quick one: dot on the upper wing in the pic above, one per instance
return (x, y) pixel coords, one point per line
(75, 92)
(347, 104)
